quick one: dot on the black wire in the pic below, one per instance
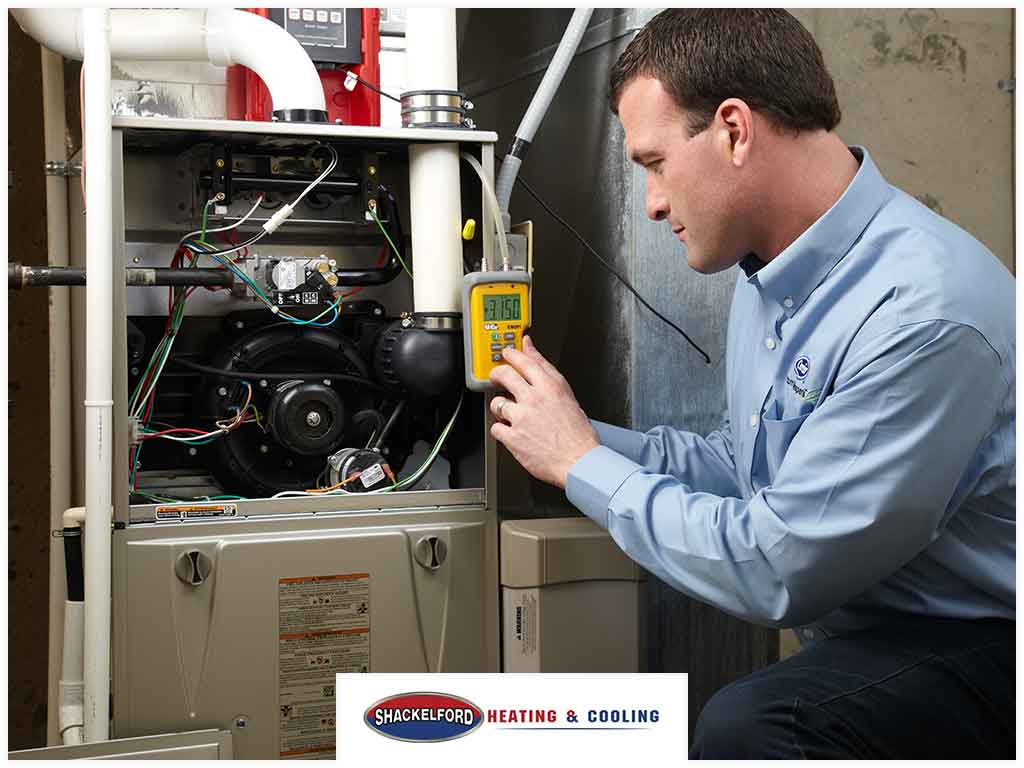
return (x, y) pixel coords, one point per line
(252, 240)
(607, 266)
(276, 375)
(372, 87)
(395, 225)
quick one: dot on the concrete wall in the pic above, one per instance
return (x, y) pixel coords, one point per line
(926, 90)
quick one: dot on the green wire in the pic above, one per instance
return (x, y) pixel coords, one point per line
(202, 232)
(390, 241)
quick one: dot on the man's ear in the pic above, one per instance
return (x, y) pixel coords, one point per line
(734, 126)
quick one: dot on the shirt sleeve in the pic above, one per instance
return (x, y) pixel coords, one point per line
(867, 482)
(702, 463)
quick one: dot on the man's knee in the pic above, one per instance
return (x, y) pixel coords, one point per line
(745, 720)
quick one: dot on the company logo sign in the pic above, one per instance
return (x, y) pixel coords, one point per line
(423, 716)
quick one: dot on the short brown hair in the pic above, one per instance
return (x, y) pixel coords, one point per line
(704, 56)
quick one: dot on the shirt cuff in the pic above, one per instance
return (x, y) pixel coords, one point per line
(595, 478)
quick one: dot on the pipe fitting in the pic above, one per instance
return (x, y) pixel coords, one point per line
(222, 36)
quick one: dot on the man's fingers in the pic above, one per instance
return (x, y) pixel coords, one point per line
(501, 407)
(506, 377)
(501, 432)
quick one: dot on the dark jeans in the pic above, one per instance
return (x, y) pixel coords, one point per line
(918, 688)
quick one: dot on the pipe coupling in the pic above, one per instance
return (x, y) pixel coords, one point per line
(436, 109)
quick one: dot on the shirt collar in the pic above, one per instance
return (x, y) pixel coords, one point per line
(790, 277)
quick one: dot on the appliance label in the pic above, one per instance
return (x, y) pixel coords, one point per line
(323, 629)
(525, 622)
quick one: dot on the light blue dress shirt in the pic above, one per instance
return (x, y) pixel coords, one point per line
(866, 462)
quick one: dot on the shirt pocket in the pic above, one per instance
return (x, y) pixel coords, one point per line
(778, 434)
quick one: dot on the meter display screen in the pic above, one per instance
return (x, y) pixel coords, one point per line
(502, 307)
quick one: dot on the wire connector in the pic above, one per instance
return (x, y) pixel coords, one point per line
(270, 225)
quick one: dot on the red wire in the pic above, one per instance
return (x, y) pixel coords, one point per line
(380, 262)
(170, 431)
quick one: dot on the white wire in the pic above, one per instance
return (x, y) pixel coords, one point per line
(492, 201)
(156, 375)
(233, 225)
(330, 169)
(193, 438)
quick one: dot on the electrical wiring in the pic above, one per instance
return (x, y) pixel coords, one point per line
(232, 225)
(280, 375)
(520, 180)
(371, 86)
(160, 499)
(398, 485)
(333, 308)
(193, 246)
(200, 437)
(391, 242)
(326, 172)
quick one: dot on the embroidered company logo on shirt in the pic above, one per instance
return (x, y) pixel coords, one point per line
(800, 369)
(423, 716)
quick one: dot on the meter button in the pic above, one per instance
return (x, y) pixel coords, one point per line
(495, 337)
(496, 358)
(510, 337)
(510, 346)
(495, 347)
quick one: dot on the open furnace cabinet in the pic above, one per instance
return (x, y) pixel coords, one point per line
(236, 611)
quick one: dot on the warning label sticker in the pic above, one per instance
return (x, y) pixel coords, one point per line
(526, 624)
(323, 629)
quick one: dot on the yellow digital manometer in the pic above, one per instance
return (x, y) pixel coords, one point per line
(495, 314)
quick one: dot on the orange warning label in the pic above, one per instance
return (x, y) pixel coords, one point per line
(338, 577)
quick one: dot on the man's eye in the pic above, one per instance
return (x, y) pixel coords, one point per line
(655, 167)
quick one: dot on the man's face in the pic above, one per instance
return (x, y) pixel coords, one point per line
(691, 182)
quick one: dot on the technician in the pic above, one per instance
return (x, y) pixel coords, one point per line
(861, 485)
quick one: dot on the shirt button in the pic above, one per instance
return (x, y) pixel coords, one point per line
(787, 303)
(770, 343)
(808, 634)
(753, 420)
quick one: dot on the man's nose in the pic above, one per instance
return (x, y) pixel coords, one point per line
(656, 202)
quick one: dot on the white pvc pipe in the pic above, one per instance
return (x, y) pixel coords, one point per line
(436, 213)
(542, 100)
(434, 183)
(72, 689)
(55, 148)
(240, 37)
(221, 36)
(431, 49)
(98, 371)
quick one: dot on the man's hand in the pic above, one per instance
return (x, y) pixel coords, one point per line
(542, 425)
